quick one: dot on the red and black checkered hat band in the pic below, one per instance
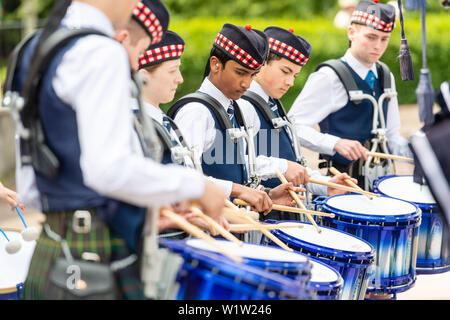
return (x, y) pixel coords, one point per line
(237, 53)
(161, 54)
(370, 20)
(150, 21)
(288, 51)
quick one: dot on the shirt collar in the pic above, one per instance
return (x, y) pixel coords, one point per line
(209, 88)
(153, 112)
(81, 15)
(360, 69)
(258, 89)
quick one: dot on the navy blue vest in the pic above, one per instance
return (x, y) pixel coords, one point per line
(265, 138)
(353, 121)
(67, 192)
(221, 159)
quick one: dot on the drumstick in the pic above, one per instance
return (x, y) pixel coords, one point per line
(197, 232)
(288, 209)
(234, 216)
(225, 233)
(231, 205)
(268, 234)
(248, 227)
(335, 172)
(345, 188)
(299, 202)
(388, 156)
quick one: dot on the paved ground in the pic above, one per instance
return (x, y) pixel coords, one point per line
(427, 286)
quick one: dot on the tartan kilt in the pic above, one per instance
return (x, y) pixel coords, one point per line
(100, 240)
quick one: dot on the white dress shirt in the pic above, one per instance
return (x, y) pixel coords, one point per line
(198, 127)
(252, 119)
(94, 79)
(324, 94)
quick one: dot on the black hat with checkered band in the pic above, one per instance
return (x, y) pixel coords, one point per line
(375, 15)
(171, 47)
(153, 17)
(245, 45)
(288, 45)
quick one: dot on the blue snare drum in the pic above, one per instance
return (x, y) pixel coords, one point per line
(390, 226)
(208, 275)
(14, 267)
(350, 256)
(325, 281)
(433, 252)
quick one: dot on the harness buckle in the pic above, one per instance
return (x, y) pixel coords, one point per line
(81, 222)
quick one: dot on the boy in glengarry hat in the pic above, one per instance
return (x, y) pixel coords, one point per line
(346, 125)
(237, 55)
(98, 197)
(260, 105)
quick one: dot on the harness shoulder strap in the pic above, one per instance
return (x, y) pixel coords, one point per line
(34, 148)
(14, 61)
(44, 55)
(385, 74)
(208, 101)
(178, 132)
(259, 103)
(343, 73)
(163, 135)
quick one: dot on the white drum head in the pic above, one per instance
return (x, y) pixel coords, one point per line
(322, 273)
(251, 251)
(328, 238)
(404, 187)
(14, 267)
(379, 206)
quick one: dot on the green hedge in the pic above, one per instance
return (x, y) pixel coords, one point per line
(327, 42)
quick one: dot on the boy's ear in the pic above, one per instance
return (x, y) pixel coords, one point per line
(121, 35)
(214, 64)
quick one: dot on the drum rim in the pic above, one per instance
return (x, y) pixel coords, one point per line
(340, 255)
(9, 289)
(247, 273)
(409, 218)
(334, 285)
(421, 205)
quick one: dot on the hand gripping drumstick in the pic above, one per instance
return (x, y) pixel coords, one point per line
(288, 209)
(267, 233)
(335, 171)
(197, 232)
(388, 156)
(225, 233)
(345, 188)
(297, 199)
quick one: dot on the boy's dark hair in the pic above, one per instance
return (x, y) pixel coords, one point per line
(273, 57)
(136, 31)
(222, 56)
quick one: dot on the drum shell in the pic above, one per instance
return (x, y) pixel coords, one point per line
(208, 275)
(298, 271)
(384, 277)
(433, 252)
(355, 268)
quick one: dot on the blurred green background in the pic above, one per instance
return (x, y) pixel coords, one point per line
(198, 22)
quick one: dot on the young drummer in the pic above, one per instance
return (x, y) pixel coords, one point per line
(160, 67)
(346, 125)
(288, 54)
(236, 57)
(103, 177)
